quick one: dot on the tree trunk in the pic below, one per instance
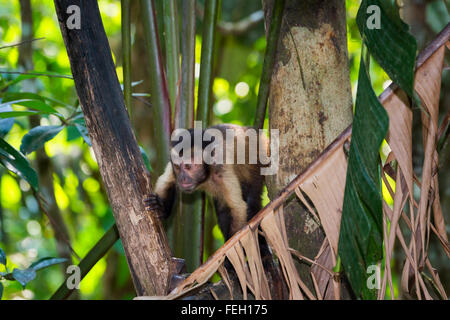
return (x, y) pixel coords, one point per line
(120, 162)
(310, 103)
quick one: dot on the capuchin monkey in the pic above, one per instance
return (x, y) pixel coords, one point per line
(226, 161)
(230, 173)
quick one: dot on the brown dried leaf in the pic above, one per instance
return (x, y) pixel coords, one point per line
(239, 266)
(224, 274)
(325, 187)
(322, 271)
(250, 243)
(428, 87)
(399, 134)
(272, 225)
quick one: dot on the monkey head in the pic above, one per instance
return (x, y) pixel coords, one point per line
(189, 175)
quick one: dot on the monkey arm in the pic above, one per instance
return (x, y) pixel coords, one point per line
(164, 196)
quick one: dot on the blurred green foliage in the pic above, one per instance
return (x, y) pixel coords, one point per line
(25, 231)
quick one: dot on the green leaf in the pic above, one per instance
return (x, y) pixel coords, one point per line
(84, 133)
(392, 46)
(146, 160)
(1, 290)
(2, 257)
(14, 161)
(24, 276)
(361, 237)
(133, 84)
(72, 133)
(20, 78)
(38, 105)
(11, 96)
(46, 262)
(141, 94)
(80, 124)
(5, 124)
(37, 137)
(13, 114)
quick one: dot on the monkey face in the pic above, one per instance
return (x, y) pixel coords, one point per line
(189, 176)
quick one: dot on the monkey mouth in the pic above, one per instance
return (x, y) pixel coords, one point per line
(187, 187)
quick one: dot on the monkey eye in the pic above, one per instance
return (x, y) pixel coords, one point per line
(187, 166)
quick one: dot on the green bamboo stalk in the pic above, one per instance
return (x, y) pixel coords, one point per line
(207, 59)
(89, 261)
(187, 223)
(210, 244)
(187, 88)
(172, 48)
(269, 61)
(204, 97)
(158, 87)
(126, 52)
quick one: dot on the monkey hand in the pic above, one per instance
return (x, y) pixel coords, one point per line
(154, 203)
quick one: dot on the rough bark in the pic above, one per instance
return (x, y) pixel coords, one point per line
(121, 166)
(310, 102)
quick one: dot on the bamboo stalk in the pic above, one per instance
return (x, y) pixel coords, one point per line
(185, 117)
(158, 87)
(207, 60)
(172, 48)
(126, 52)
(204, 95)
(89, 261)
(269, 61)
(187, 225)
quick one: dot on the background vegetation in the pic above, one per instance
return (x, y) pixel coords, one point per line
(26, 233)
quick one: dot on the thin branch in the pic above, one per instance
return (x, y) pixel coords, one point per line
(21, 42)
(144, 101)
(311, 262)
(57, 228)
(38, 74)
